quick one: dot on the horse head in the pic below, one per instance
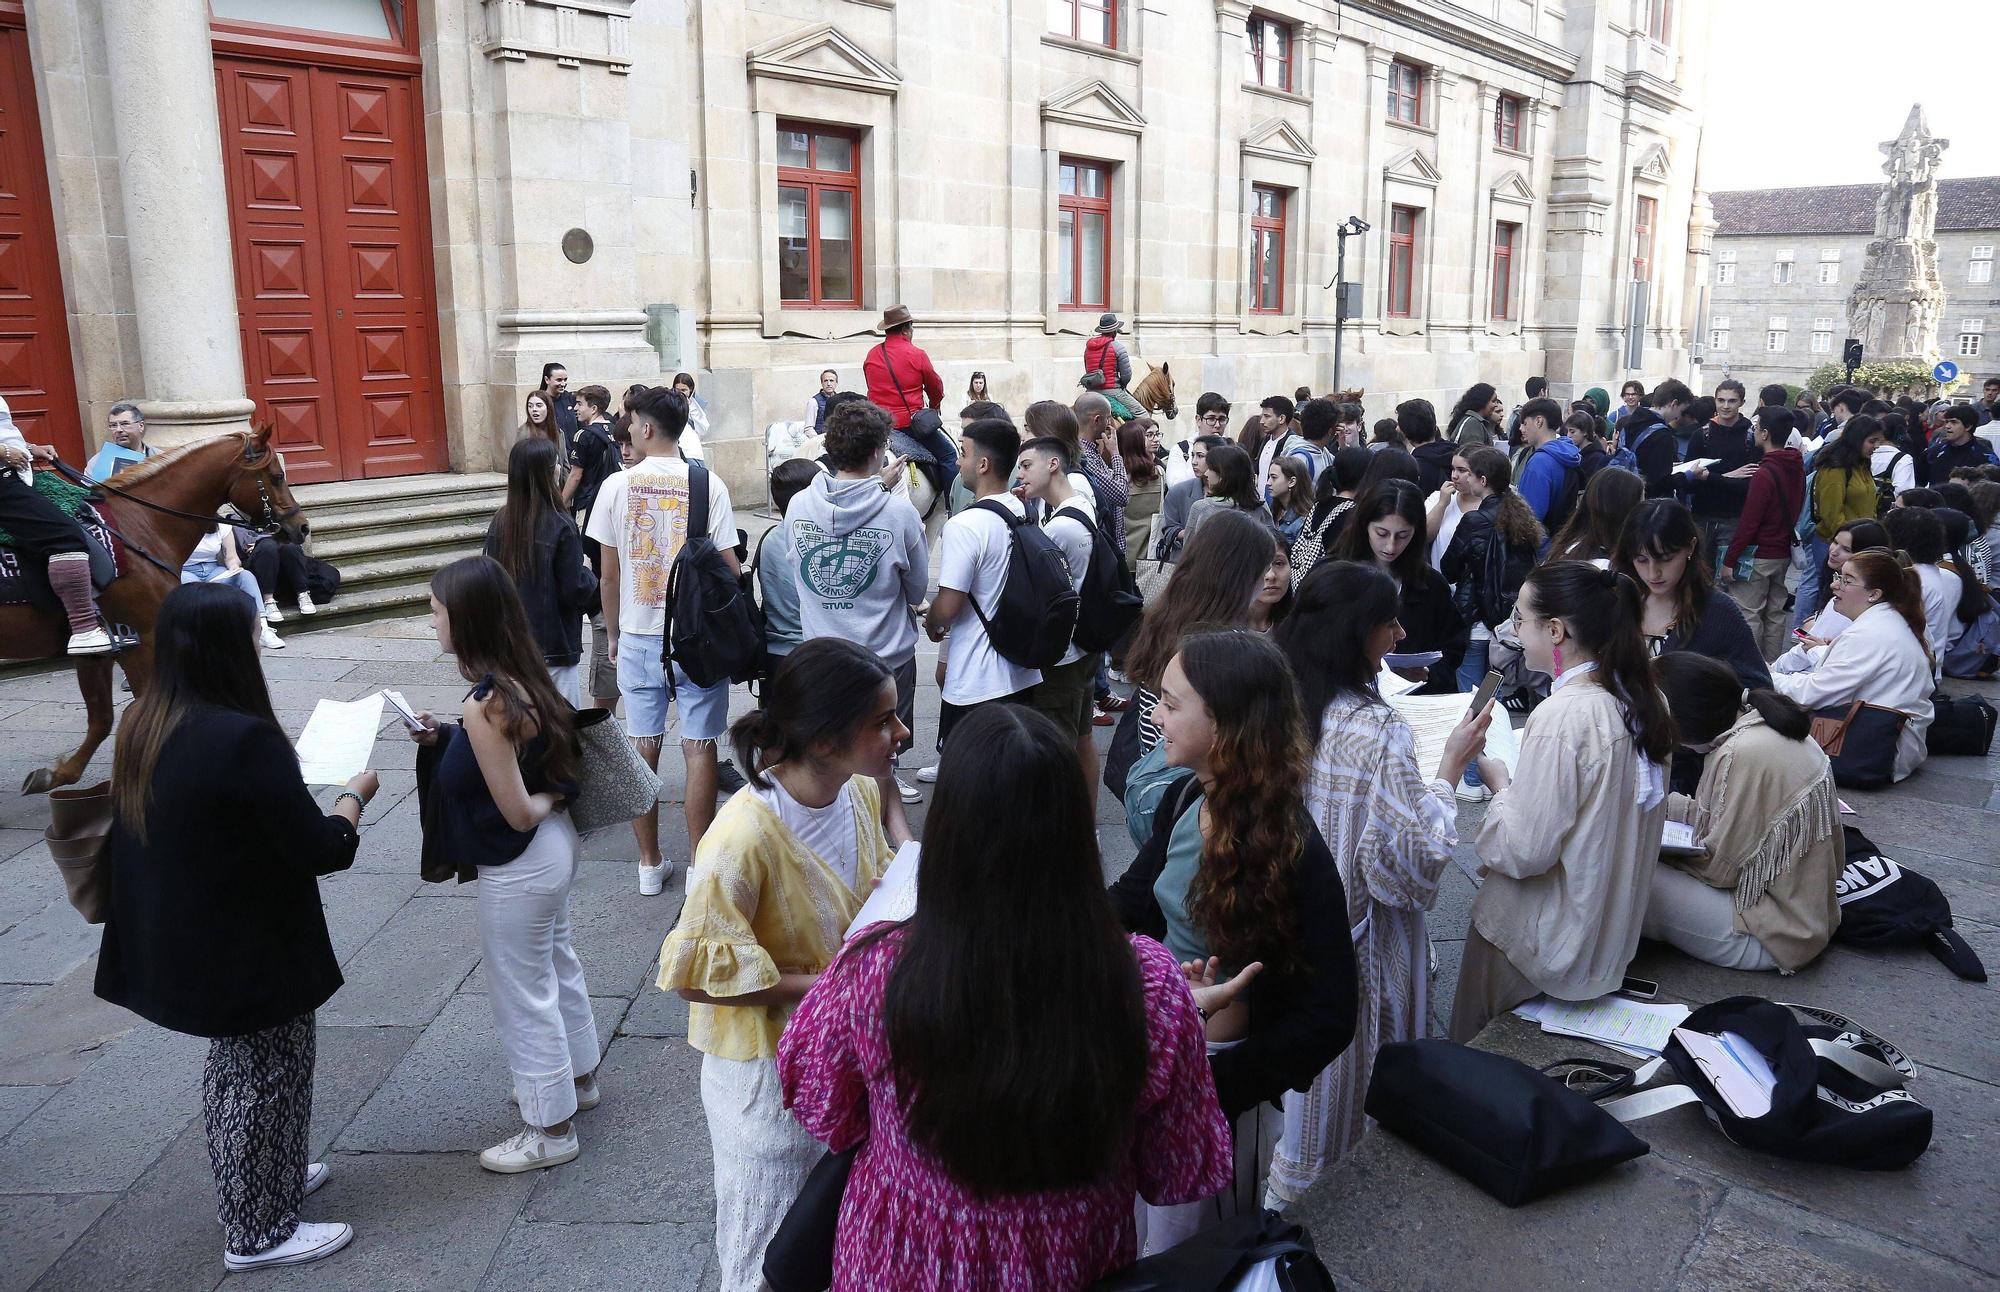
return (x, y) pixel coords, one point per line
(258, 488)
(1349, 396)
(1156, 391)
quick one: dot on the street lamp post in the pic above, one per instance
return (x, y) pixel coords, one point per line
(1346, 300)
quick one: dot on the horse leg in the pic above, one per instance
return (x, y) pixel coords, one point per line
(93, 678)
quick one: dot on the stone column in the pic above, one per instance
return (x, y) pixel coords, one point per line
(176, 218)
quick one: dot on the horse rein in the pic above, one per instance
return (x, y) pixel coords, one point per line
(273, 521)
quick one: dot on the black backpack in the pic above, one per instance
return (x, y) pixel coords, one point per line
(711, 632)
(1035, 617)
(1109, 602)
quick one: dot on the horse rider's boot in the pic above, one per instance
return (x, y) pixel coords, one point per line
(69, 578)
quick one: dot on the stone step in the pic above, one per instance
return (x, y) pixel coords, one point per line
(387, 537)
(342, 548)
(349, 495)
(452, 509)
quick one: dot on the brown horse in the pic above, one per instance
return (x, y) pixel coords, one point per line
(161, 508)
(1155, 391)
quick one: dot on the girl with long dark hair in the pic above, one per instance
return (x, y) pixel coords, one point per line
(1761, 894)
(542, 552)
(494, 790)
(214, 926)
(1571, 837)
(1391, 827)
(778, 878)
(1291, 490)
(1014, 1065)
(1683, 609)
(538, 418)
(1334, 492)
(1488, 559)
(1591, 533)
(1139, 446)
(1237, 881)
(1386, 529)
(1475, 419)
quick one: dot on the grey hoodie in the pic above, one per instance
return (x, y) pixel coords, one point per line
(861, 564)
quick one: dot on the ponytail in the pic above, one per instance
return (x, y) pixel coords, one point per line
(1706, 700)
(818, 696)
(1601, 609)
(1781, 713)
(1895, 577)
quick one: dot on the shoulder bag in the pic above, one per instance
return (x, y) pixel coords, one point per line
(78, 836)
(616, 785)
(1860, 741)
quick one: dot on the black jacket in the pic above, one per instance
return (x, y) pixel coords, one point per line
(1723, 634)
(1484, 572)
(559, 592)
(1433, 464)
(1300, 1021)
(1657, 455)
(1718, 497)
(214, 926)
(1593, 460)
(1943, 456)
(1431, 621)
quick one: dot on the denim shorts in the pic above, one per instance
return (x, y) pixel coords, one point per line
(642, 680)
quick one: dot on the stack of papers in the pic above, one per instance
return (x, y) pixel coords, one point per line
(895, 898)
(1435, 717)
(1637, 1028)
(339, 739)
(1687, 467)
(1734, 1067)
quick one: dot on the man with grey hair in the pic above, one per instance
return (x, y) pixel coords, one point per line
(124, 442)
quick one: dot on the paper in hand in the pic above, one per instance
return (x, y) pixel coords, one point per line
(339, 739)
(895, 898)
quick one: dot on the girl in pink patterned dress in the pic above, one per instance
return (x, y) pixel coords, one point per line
(1015, 1067)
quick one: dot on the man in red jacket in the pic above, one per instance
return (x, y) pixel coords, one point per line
(1764, 533)
(901, 380)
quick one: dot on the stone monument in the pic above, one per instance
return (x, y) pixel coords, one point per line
(1897, 301)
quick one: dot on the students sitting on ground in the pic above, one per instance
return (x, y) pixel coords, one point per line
(1761, 894)
(1826, 624)
(1918, 533)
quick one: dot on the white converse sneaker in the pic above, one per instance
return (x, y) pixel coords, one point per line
(928, 775)
(271, 640)
(309, 1242)
(271, 615)
(653, 879)
(316, 1174)
(531, 1150)
(306, 606)
(1473, 793)
(909, 792)
(94, 642)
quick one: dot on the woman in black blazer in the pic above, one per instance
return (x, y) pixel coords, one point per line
(214, 926)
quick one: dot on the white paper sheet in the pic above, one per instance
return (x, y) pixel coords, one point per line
(339, 739)
(895, 898)
(1678, 836)
(1734, 1067)
(1687, 467)
(1629, 1025)
(1434, 717)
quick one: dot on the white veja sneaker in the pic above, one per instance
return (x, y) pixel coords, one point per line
(271, 615)
(653, 879)
(271, 640)
(316, 1174)
(309, 1242)
(909, 792)
(530, 1150)
(306, 606)
(928, 775)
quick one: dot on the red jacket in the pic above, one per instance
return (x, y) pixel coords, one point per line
(1771, 508)
(915, 381)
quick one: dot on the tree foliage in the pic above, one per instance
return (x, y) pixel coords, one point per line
(1897, 377)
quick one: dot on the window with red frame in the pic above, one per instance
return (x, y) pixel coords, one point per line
(1403, 223)
(1507, 122)
(1505, 238)
(1660, 20)
(1642, 239)
(1267, 250)
(1270, 53)
(1083, 234)
(1093, 20)
(819, 216)
(1406, 93)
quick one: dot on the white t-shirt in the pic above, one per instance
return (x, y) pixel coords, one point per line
(1075, 537)
(829, 832)
(1940, 608)
(977, 546)
(207, 548)
(642, 512)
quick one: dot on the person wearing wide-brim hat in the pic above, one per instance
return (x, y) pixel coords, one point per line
(900, 377)
(1105, 355)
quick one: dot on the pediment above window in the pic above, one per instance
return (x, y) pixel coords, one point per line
(824, 55)
(1092, 102)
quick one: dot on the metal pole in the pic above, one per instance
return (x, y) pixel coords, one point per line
(1339, 303)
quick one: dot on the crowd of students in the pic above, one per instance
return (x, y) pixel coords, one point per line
(1039, 1077)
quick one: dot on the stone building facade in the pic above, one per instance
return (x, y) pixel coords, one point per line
(384, 223)
(1785, 261)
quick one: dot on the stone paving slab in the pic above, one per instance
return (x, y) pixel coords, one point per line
(616, 932)
(645, 1148)
(59, 1031)
(100, 1132)
(39, 1229)
(403, 974)
(1753, 1242)
(664, 1255)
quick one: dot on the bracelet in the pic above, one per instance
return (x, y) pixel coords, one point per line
(1206, 1014)
(359, 805)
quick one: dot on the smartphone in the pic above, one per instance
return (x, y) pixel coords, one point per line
(1487, 689)
(1800, 634)
(1639, 988)
(404, 711)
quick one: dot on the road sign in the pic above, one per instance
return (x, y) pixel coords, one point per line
(1945, 371)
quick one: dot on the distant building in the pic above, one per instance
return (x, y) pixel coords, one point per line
(1785, 259)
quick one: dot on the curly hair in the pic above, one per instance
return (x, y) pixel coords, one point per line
(1241, 895)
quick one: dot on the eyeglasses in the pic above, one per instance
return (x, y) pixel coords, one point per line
(1216, 419)
(1846, 580)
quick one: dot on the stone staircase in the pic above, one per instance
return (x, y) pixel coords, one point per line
(387, 537)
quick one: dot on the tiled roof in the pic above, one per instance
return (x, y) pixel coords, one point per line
(1849, 208)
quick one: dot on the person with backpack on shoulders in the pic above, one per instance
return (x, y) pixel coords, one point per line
(1649, 432)
(1066, 692)
(1552, 473)
(593, 458)
(645, 515)
(1318, 420)
(861, 563)
(1475, 422)
(973, 571)
(1759, 553)
(1893, 462)
(1956, 444)
(1107, 364)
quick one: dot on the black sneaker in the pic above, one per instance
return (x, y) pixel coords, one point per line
(727, 779)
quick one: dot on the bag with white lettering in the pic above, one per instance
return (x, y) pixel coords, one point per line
(1884, 903)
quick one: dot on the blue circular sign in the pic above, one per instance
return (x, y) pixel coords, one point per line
(1945, 371)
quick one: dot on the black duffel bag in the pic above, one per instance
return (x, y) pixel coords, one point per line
(1960, 724)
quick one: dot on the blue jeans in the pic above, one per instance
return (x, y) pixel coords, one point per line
(1471, 672)
(1807, 602)
(216, 572)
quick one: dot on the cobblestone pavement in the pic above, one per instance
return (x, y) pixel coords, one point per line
(104, 1179)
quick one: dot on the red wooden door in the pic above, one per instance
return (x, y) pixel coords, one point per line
(325, 173)
(36, 378)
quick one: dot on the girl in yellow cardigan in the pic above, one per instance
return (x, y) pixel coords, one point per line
(777, 879)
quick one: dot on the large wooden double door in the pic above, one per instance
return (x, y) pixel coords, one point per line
(36, 377)
(326, 178)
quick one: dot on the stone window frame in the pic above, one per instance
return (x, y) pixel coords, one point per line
(1777, 335)
(1659, 18)
(1277, 226)
(1424, 101)
(1114, 19)
(1725, 273)
(1822, 337)
(1979, 268)
(1255, 62)
(1274, 154)
(1718, 332)
(1089, 121)
(1079, 205)
(1509, 201)
(1500, 300)
(814, 179)
(1501, 102)
(1411, 180)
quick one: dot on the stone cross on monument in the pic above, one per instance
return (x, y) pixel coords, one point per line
(1897, 301)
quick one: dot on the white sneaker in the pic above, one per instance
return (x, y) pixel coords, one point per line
(588, 1096)
(1473, 793)
(271, 640)
(531, 1150)
(271, 615)
(910, 793)
(653, 879)
(306, 606)
(928, 775)
(94, 642)
(309, 1242)
(316, 1174)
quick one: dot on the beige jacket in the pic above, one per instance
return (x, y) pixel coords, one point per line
(1570, 846)
(1767, 813)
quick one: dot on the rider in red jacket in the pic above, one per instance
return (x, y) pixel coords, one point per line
(900, 377)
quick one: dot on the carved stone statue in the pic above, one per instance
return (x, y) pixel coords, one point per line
(1898, 297)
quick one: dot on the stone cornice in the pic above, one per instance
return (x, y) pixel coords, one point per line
(574, 32)
(824, 55)
(1092, 102)
(1467, 30)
